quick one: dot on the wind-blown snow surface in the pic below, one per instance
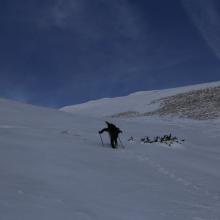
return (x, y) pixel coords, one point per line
(53, 166)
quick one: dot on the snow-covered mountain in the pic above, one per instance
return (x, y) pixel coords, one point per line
(53, 165)
(197, 102)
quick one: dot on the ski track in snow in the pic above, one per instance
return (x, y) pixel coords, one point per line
(214, 198)
(11, 127)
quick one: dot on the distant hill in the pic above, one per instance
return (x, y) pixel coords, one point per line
(198, 102)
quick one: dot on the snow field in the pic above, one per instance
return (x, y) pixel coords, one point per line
(53, 166)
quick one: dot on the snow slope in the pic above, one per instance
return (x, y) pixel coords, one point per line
(136, 104)
(53, 166)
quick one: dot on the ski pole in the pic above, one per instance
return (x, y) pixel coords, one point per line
(121, 142)
(101, 140)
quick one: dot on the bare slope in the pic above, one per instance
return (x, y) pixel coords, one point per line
(199, 104)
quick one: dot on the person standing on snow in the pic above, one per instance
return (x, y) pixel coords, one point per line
(113, 132)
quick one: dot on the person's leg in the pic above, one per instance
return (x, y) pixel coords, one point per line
(113, 143)
(116, 142)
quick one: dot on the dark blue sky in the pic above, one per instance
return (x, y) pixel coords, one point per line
(61, 52)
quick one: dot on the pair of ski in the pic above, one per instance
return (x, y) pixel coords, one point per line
(122, 145)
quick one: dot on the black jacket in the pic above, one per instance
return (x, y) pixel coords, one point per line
(112, 130)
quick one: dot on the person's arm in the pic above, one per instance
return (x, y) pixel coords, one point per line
(104, 129)
(119, 130)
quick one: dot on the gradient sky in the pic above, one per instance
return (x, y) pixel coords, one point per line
(61, 52)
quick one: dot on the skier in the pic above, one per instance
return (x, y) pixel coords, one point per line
(113, 132)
